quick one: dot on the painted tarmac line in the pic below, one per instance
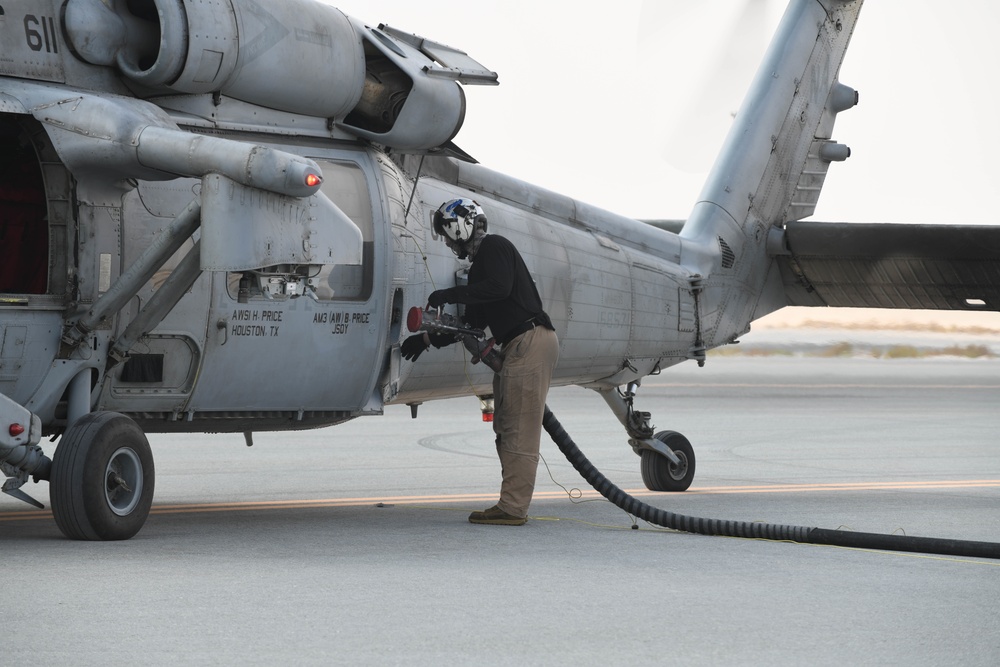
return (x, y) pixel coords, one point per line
(812, 385)
(582, 494)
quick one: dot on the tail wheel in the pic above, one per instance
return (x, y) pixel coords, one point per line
(660, 473)
(101, 486)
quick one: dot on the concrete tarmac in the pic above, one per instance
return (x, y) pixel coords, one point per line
(350, 545)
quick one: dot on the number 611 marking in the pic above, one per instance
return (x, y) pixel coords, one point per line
(44, 39)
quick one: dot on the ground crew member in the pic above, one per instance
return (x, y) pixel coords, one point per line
(501, 295)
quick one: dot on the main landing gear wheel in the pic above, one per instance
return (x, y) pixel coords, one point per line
(661, 474)
(102, 478)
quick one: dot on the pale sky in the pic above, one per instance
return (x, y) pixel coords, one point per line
(591, 95)
(606, 102)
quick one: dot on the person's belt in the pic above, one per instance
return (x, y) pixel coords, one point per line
(527, 325)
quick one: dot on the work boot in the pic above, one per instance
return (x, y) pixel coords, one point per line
(495, 516)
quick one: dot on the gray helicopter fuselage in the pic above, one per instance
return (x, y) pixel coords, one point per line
(322, 347)
(232, 241)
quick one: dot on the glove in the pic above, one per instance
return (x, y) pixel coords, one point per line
(437, 298)
(440, 340)
(413, 346)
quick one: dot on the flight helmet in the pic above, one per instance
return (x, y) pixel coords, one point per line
(456, 220)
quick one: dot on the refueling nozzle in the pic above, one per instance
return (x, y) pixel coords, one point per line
(433, 320)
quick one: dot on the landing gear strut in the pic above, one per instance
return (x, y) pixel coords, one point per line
(102, 478)
(667, 458)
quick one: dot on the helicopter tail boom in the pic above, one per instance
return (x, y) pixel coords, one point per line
(772, 166)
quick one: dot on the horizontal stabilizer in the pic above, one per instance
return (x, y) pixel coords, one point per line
(938, 267)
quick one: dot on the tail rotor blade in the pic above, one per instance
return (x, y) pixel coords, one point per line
(720, 70)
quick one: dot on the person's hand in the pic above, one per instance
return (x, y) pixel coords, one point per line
(437, 298)
(440, 340)
(413, 346)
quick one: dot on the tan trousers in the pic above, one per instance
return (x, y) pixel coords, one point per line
(519, 393)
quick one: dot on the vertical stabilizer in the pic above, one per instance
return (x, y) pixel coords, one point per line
(771, 167)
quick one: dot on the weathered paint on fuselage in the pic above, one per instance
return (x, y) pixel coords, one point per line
(254, 344)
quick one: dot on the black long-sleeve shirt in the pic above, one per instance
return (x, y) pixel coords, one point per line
(500, 293)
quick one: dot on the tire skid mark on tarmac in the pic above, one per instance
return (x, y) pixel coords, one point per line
(434, 442)
(837, 487)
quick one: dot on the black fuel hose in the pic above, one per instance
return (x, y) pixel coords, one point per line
(754, 529)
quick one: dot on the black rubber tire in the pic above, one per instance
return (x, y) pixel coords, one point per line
(86, 503)
(659, 473)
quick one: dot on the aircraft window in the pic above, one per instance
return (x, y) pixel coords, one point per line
(345, 184)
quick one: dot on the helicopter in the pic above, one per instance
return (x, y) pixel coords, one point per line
(217, 219)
